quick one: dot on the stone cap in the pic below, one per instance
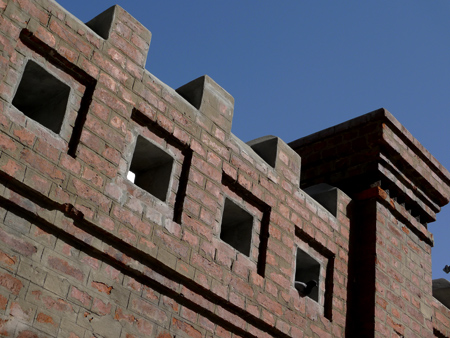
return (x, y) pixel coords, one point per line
(441, 291)
(376, 150)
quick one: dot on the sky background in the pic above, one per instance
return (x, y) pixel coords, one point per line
(297, 67)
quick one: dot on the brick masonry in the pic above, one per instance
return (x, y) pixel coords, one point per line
(85, 252)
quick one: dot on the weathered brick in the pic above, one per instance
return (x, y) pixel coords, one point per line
(12, 167)
(149, 311)
(105, 133)
(30, 7)
(70, 37)
(127, 49)
(18, 244)
(42, 165)
(65, 267)
(95, 256)
(82, 297)
(131, 219)
(97, 162)
(187, 328)
(86, 192)
(110, 68)
(10, 283)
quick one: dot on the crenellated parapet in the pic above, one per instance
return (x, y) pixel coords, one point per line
(129, 209)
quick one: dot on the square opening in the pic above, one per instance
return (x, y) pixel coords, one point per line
(237, 226)
(42, 97)
(307, 269)
(151, 168)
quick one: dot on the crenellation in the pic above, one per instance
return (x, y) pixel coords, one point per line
(141, 214)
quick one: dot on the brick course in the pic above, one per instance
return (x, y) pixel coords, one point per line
(85, 252)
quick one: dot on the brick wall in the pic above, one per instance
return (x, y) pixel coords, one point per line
(397, 188)
(209, 237)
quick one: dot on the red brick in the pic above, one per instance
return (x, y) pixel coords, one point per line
(121, 316)
(67, 52)
(97, 162)
(173, 244)
(47, 150)
(42, 165)
(187, 328)
(3, 303)
(70, 38)
(102, 287)
(108, 82)
(18, 244)
(139, 42)
(10, 283)
(37, 182)
(45, 36)
(110, 68)
(127, 48)
(58, 305)
(150, 311)
(81, 296)
(29, 7)
(65, 267)
(7, 144)
(45, 319)
(206, 265)
(13, 169)
(111, 101)
(86, 192)
(105, 132)
(144, 326)
(100, 307)
(93, 177)
(117, 57)
(129, 218)
(92, 141)
(112, 154)
(321, 333)
(27, 334)
(127, 236)
(88, 67)
(269, 304)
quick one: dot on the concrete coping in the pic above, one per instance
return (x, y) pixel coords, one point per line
(441, 291)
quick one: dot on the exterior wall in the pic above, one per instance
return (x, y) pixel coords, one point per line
(403, 295)
(389, 176)
(400, 288)
(84, 252)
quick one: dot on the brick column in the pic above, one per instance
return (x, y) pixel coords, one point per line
(397, 188)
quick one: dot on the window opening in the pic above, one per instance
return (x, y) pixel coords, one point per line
(42, 97)
(151, 168)
(237, 226)
(307, 275)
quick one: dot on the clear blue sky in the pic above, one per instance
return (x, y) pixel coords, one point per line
(297, 67)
